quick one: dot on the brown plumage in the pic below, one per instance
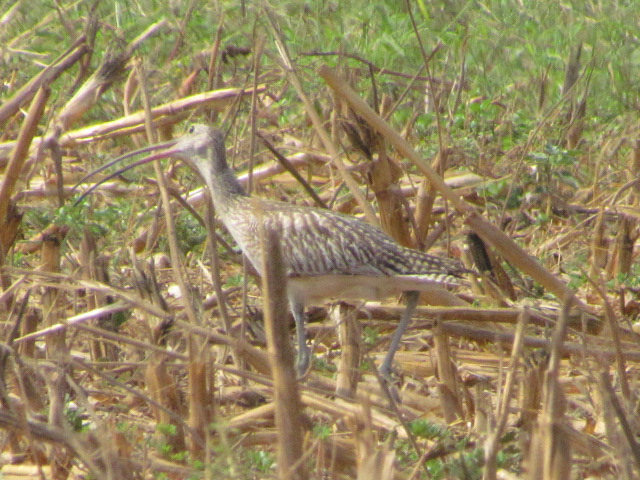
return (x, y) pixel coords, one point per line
(315, 241)
(358, 257)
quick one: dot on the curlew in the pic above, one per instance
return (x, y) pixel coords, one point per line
(328, 255)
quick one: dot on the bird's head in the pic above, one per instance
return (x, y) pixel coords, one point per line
(201, 148)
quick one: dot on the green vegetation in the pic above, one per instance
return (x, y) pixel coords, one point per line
(539, 100)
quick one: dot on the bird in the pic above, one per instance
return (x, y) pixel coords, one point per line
(327, 255)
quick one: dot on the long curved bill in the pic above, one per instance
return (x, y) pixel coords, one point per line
(167, 152)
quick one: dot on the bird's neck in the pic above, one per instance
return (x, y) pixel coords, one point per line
(225, 189)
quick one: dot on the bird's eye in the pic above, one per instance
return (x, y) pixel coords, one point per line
(192, 129)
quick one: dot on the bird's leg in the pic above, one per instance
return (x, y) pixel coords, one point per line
(304, 352)
(412, 302)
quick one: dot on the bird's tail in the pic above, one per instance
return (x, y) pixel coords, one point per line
(440, 269)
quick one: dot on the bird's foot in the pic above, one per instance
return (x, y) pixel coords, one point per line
(304, 359)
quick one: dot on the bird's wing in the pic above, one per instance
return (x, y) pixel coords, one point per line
(317, 242)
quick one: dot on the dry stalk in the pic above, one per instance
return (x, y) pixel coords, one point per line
(196, 197)
(531, 390)
(369, 392)
(214, 300)
(576, 127)
(492, 441)
(9, 227)
(572, 71)
(350, 335)
(488, 264)
(599, 246)
(550, 454)
(34, 243)
(424, 209)
(246, 265)
(253, 356)
(30, 384)
(166, 404)
(131, 301)
(448, 382)
(158, 381)
(29, 322)
(614, 332)
(57, 389)
(338, 408)
(85, 98)
(488, 232)
(506, 338)
(289, 167)
(94, 267)
(247, 421)
(367, 113)
(42, 81)
(434, 92)
(632, 445)
(426, 199)
(281, 355)
(127, 340)
(483, 418)
(129, 91)
(20, 151)
(171, 112)
(544, 317)
(329, 145)
(200, 396)
(111, 68)
(436, 232)
(391, 202)
(373, 461)
(618, 446)
(382, 174)
(214, 74)
(634, 169)
(163, 390)
(622, 257)
(176, 262)
(339, 453)
(28, 397)
(215, 275)
(41, 432)
(517, 256)
(51, 299)
(177, 418)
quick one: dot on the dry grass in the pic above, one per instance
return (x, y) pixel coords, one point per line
(132, 342)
